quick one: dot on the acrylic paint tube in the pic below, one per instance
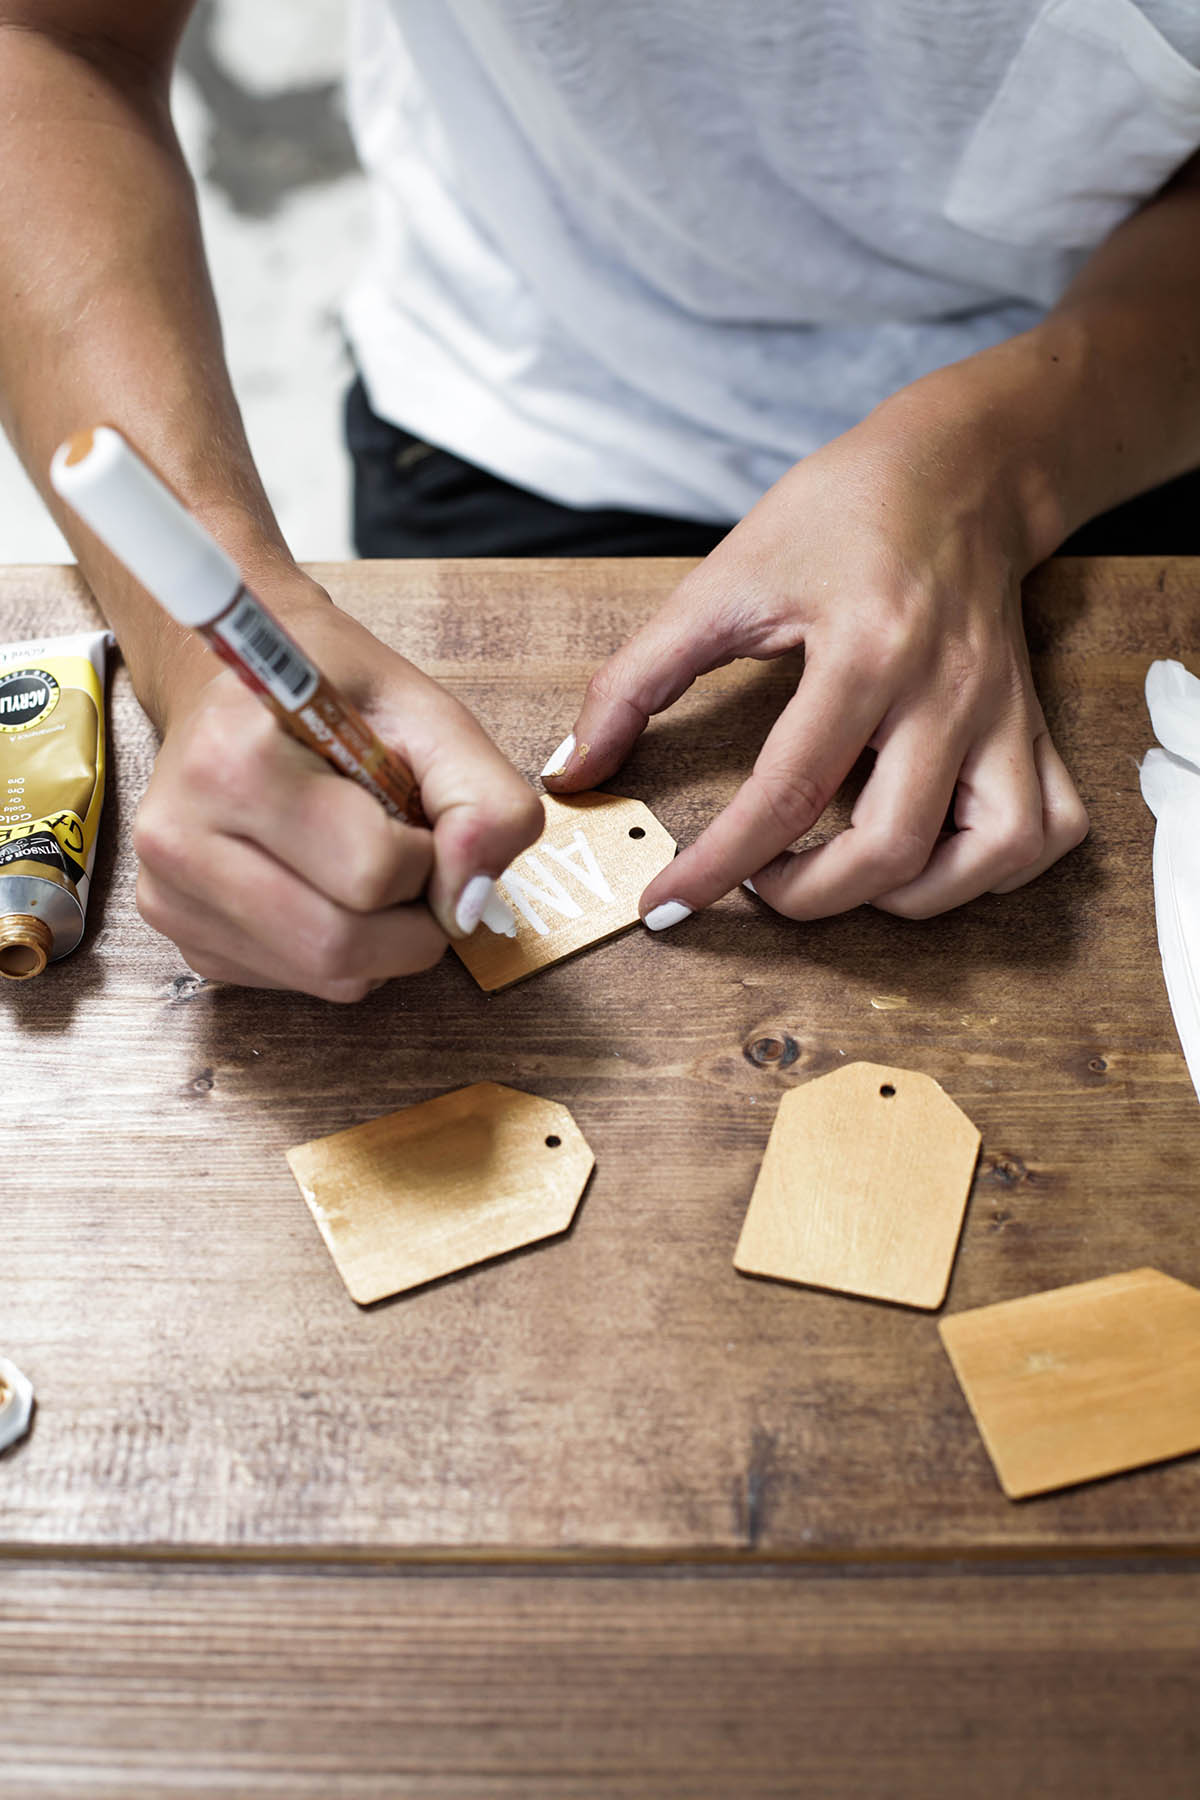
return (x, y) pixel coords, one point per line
(51, 792)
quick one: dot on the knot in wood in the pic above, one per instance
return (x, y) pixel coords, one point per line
(184, 988)
(777, 1051)
(1007, 1170)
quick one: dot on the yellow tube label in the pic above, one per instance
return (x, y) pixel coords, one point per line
(51, 761)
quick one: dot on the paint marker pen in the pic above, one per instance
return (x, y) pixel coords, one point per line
(140, 520)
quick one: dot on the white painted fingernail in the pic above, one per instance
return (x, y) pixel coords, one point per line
(561, 757)
(499, 916)
(749, 884)
(669, 913)
(479, 900)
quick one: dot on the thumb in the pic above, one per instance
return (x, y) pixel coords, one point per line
(687, 637)
(482, 813)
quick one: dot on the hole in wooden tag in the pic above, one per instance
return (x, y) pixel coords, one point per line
(438, 1187)
(1083, 1381)
(580, 883)
(863, 1198)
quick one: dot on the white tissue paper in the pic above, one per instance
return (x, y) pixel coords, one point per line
(1171, 789)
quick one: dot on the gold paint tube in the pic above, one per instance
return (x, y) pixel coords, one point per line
(51, 792)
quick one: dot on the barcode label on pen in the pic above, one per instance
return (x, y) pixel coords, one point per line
(253, 636)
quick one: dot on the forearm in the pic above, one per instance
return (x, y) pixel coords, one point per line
(1101, 400)
(107, 314)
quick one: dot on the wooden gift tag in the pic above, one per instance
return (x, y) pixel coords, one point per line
(1082, 1381)
(863, 1186)
(441, 1186)
(581, 882)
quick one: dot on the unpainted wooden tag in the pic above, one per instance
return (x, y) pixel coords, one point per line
(862, 1187)
(1083, 1381)
(580, 882)
(438, 1187)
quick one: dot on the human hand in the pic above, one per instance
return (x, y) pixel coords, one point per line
(894, 556)
(270, 869)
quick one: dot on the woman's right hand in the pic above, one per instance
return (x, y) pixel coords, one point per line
(268, 868)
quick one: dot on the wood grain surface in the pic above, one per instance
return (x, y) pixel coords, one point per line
(201, 1380)
(610, 1520)
(321, 1683)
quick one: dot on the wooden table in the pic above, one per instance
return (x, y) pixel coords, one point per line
(601, 1518)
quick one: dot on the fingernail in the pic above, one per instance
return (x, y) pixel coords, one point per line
(749, 884)
(499, 917)
(561, 757)
(669, 913)
(479, 900)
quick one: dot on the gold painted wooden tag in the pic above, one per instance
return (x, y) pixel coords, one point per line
(862, 1187)
(439, 1187)
(580, 883)
(1083, 1381)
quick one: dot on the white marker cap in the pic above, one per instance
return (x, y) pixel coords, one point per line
(144, 525)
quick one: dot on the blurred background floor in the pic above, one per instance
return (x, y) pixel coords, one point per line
(259, 110)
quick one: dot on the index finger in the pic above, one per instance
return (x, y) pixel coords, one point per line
(482, 812)
(810, 750)
(694, 631)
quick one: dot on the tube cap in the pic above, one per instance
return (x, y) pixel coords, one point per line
(144, 525)
(26, 945)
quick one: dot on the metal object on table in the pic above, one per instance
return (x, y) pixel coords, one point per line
(16, 1403)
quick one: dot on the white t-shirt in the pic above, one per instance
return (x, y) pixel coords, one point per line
(648, 253)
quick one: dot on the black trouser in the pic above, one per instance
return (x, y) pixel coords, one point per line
(412, 499)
